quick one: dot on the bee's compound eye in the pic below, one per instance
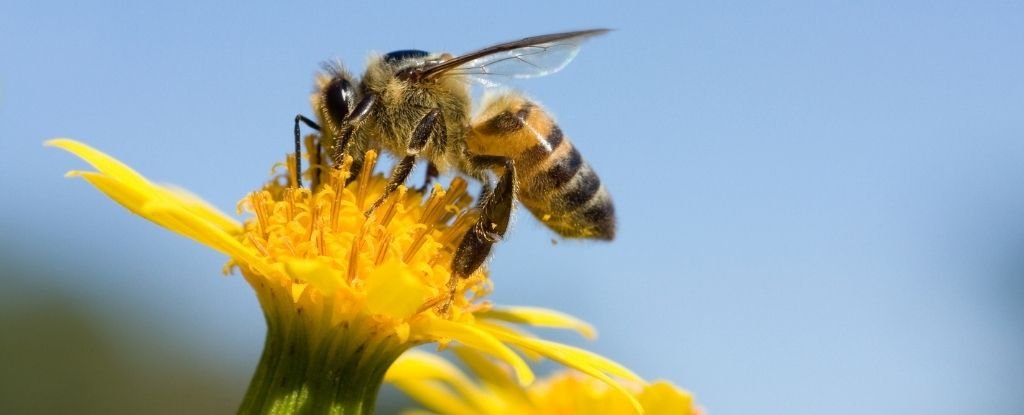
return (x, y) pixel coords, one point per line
(400, 55)
(339, 98)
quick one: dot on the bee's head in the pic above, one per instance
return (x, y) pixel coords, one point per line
(338, 96)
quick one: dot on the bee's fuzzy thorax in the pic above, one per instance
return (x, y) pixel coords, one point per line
(403, 104)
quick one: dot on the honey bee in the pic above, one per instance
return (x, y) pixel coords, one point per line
(415, 104)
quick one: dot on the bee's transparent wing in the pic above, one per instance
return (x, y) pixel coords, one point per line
(525, 58)
(486, 82)
(525, 62)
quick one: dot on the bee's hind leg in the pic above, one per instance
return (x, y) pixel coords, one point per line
(430, 124)
(495, 214)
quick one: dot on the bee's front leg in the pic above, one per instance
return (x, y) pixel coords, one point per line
(351, 123)
(429, 125)
(298, 148)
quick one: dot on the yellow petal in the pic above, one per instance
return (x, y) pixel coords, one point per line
(494, 376)
(297, 290)
(129, 197)
(392, 290)
(129, 188)
(102, 162)
(414, 372)
(136, 200)
(415, 365)
(541, 317)
(419, 367)
(116, 170)
(173, 218)
(402, 331)
(321, 276)
(547, 348)
(662, 398)
(436, 397)
(514, 331)
(204, 209)
(204, 232)
(579, 359)
(478, 339)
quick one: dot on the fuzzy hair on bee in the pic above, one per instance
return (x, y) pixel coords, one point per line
(404, 103)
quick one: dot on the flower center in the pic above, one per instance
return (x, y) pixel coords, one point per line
(393, 264)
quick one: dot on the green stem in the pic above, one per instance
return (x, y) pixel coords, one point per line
(309, 367)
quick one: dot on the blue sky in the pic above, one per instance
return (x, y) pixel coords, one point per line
(820, 203)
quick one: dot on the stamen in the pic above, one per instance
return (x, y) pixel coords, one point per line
(314, 169)
(416, 243)
(456, 195)
(293, 173)
(432, 302)
(336, 202)
(382, 249)
(392, 206)
(353, 256)
(369, 162)
(462, 224)
(287, 242)
(256, 204)
(289, 214)
(432, 211)
(258, 244)
(314, 216)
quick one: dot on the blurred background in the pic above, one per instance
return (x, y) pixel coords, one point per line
(821, 205)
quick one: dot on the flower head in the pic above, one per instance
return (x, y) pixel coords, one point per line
(343, 293)
(442, 388)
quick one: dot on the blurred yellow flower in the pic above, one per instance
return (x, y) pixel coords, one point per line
(345, 294)
(442, 388)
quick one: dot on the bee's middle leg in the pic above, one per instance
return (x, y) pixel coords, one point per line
(429, 125)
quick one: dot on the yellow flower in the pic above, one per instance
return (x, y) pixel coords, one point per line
(442, 388)
(344, 294)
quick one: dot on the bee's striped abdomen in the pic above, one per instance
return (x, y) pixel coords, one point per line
(555, 183)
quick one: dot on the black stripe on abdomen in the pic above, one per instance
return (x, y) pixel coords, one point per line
(578, 192)
(560, 171)
(555, 137)
(599, 217)
(541, 151)
(583, 209)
